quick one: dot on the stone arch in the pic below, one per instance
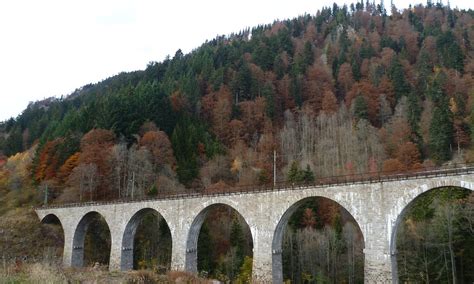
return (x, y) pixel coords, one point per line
(53, 230)
(126, 262)
(277, 265)
(193, 234)
(51, 219)
(77, 259)
(407, 204)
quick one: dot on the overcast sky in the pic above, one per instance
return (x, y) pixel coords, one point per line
(51, 47)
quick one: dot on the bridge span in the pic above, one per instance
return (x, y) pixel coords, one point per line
(377, 204)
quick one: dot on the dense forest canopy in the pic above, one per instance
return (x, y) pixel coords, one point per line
(351, 89)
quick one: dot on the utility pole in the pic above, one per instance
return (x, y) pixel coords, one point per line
(46, 195)
(133, 184)
(274, 167)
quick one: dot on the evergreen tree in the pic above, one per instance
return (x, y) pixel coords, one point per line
(294, 172)
(360, 108)
(237, 241)
(441, 133)
(308, 175)
(204, 251)
(397, 75)
(450, 53)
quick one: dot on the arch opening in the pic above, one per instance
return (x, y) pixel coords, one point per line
(53, 233)
(92, 241)
(146, 243)
(317, 240)
(220, 245)
(433, 238)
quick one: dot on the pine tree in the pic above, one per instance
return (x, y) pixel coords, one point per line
(397, 75)
(204, 251)
(308, 175)
(360, 108)
(237, 241)
(293, 173)
(441, 133)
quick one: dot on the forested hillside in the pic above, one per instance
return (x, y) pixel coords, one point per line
(348, 90)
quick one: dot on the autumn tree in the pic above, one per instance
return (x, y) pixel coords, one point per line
(160, 148)
(95, 147)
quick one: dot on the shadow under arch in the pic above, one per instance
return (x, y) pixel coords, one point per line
(51, 219)
(277, 262)
(401, 216)
(54, 234)
(193, 235)
(129, 236)
(78, 243)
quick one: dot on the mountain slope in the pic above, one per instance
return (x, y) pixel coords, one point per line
(348, 90)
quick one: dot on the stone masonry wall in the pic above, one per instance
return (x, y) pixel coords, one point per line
(377, 208)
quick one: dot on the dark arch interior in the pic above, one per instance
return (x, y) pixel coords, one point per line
(317, 240)
(222, 244)
(152, 242)
(92, 240)
(53, 235)
(433, 239)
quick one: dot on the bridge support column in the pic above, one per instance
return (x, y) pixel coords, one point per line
(116, 234)
(378, 266)
(67, 251)
(262, 255)
(178, 251)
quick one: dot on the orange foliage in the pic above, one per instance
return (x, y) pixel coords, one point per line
(66, 169)
(48, 162)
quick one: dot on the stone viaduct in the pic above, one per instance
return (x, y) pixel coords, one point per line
(377, 205)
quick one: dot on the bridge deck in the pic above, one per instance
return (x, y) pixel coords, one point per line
(364, 178)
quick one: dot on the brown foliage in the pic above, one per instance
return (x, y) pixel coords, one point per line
(309, 219)
(253, 116)
(345, 77)
(159, 145)
(217, 187)
(178, 101)
(95, 149)
(408, 155)
(392, 166)
(329, 102)
(327, 211)
(371, 95)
